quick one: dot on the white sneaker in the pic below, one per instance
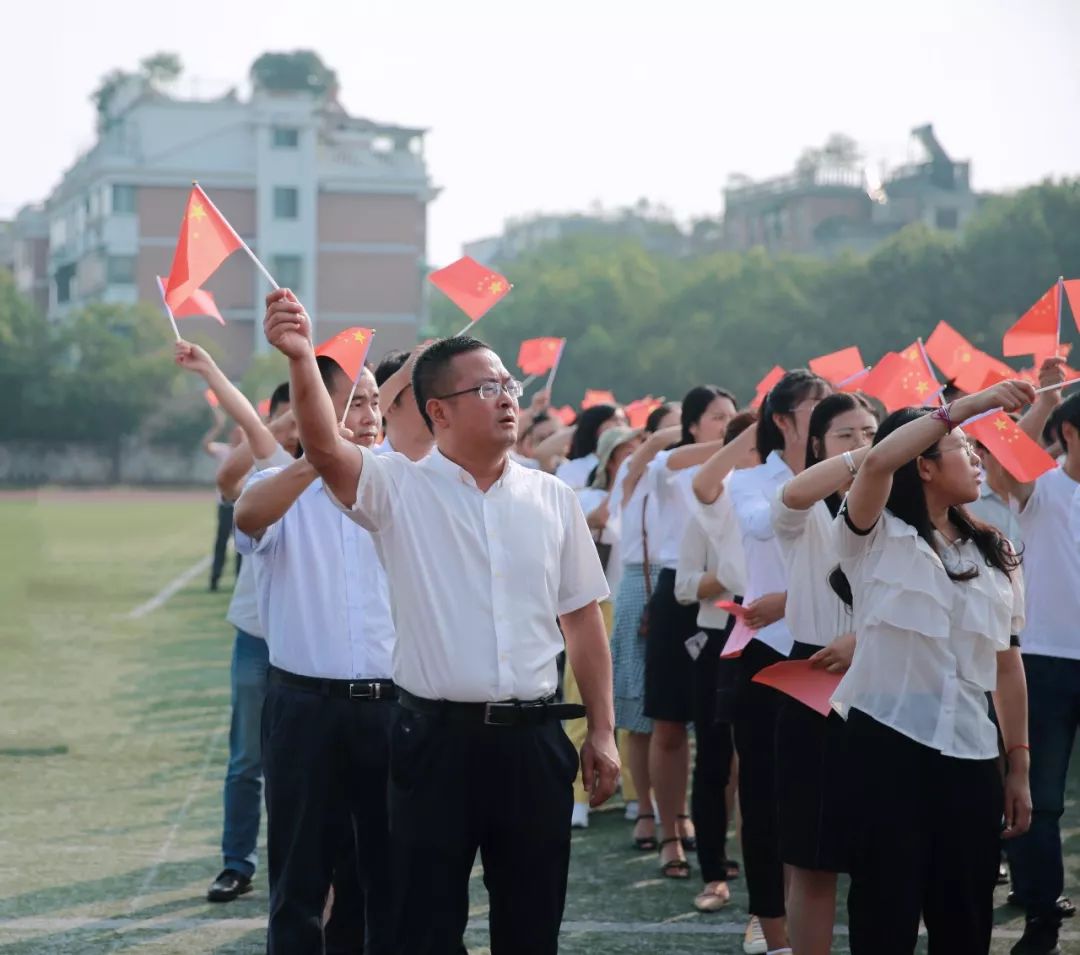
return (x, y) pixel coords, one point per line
(579, 818)
(632, 810)
(754, 939)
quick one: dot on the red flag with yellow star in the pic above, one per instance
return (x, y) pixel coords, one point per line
(200, 302)
(838, 366)
(1016, 452)
(538, 355)
(637, 412)
(594, 397)
(766, 384)
(472, 287)
(961, 362)
(898, 381)
(349, 349)
(1036, 332)
(206, 240)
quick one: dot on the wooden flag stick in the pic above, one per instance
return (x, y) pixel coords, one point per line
(168, 311)
(251, 255)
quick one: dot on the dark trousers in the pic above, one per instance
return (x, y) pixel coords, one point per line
(712, 761)
(925, 842)
(456, 787)
(325, 761)
(1053, 715)
(221, 543)
(756, 710)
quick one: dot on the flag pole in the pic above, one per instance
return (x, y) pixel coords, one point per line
(1060, 296)
(464, 330)
(528, 381)
(930, 368)
(554, 368)
(251, 255)
(168, 311)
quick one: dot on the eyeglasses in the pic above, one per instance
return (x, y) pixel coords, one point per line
(962, 445)
(488, 390)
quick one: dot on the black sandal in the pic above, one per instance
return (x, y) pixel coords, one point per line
(689, 843)
(674, 868)
(731, 867)
(646, 843)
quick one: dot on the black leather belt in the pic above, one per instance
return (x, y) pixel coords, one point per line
(502, 713)
(359, 690)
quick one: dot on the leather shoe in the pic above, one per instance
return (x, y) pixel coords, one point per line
(227, 886)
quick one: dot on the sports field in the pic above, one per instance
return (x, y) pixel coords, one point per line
(113, 717)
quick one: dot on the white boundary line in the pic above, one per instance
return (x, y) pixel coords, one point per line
(122, 924)
(168, 590)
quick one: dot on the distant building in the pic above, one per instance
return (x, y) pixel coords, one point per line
(334, 205)
(824, 209)
(30, 255)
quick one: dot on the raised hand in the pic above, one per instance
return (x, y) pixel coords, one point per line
(286, 325)
(193, 358)
(1009, 395)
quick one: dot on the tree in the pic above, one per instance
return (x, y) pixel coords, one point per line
(298, 71)
(161, 68)
(154, 71)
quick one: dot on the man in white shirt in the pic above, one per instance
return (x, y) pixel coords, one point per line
(323, 598)
(404, 428)
(1051, 646)
(483, 556)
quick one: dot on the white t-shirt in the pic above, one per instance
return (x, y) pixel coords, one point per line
(711, 545)
(576, 472)
(1050, 523)
(672, 497)
(926, 645)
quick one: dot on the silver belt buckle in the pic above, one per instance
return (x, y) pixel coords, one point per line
(365, 691)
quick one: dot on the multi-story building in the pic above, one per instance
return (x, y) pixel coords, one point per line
(334, 205)
(30, 255)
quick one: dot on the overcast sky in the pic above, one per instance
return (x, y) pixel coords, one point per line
(550, 106)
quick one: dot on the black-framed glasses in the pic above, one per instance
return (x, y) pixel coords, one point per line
(488, 390)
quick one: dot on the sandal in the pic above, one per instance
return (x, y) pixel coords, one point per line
(646, 843)
(731, 867)
(689, 843)
(673, 868)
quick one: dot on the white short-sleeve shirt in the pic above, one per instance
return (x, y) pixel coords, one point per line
(477, 579)
(926, 645)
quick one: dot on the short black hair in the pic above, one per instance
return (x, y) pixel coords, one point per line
(391, 363)
(328, 371)
(430, 371)
(279, 397)
(1067, 412)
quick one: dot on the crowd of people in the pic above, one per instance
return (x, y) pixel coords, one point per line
(462, 624)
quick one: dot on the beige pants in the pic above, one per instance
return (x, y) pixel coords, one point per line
(576, 729)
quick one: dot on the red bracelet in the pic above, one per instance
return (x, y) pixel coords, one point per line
(1013, 749)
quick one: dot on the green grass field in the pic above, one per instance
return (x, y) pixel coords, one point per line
(113, 745)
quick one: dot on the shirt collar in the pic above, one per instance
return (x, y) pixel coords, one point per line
(775, 464)
(439, 462)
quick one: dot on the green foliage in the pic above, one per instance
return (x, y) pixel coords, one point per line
(645, 323)
(158, 69)
(298, 71)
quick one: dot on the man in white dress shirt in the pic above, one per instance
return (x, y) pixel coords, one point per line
(323, 599)
(483, 556)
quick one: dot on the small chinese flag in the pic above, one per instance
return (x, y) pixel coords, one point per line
(349, 349)
(1015, 451)
(471, 286)
(898, 381)
(565, 414)
(206, 240)
(597, 398)
(960, 361)
(1072, 292)
(263, 407)
(838, 366)
(211, 398)
(1036, 331)
(538, 355)
(200, 302)
(765, 385)
(637, 412)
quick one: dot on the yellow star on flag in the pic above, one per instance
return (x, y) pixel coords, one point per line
(922, 387)
(1001, 424)
(197, 211)
(359, 337)
(912, 354)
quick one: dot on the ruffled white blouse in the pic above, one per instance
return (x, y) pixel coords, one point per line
(926, 645)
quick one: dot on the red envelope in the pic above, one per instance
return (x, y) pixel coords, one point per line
(741, 635)
(798, 679)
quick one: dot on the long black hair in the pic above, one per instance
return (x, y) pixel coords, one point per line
(786, 395)
(907, 501)
(588, 430)
(658, 414)
(696, 403)
(822, 417)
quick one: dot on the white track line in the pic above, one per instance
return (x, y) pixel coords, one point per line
(120, 924)
(168, 590)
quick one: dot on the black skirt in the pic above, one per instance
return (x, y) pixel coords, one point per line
(813, 784)
(669, 670)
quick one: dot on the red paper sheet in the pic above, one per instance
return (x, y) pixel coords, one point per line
(741, 635)
(799, 680)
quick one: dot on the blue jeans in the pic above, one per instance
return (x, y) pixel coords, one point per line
(1053, 715)
(243, 779)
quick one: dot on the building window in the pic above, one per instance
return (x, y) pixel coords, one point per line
(123, 200)
(65, 276)
(285, 137)
(947, 218)
(120, 270)
(286, 202)
(288, 271)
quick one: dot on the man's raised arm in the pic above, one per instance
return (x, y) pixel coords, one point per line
(288, 329)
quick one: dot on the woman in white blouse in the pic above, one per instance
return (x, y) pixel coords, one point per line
(937, 599)
(811, 766)
(781, 442)
(591, 423)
